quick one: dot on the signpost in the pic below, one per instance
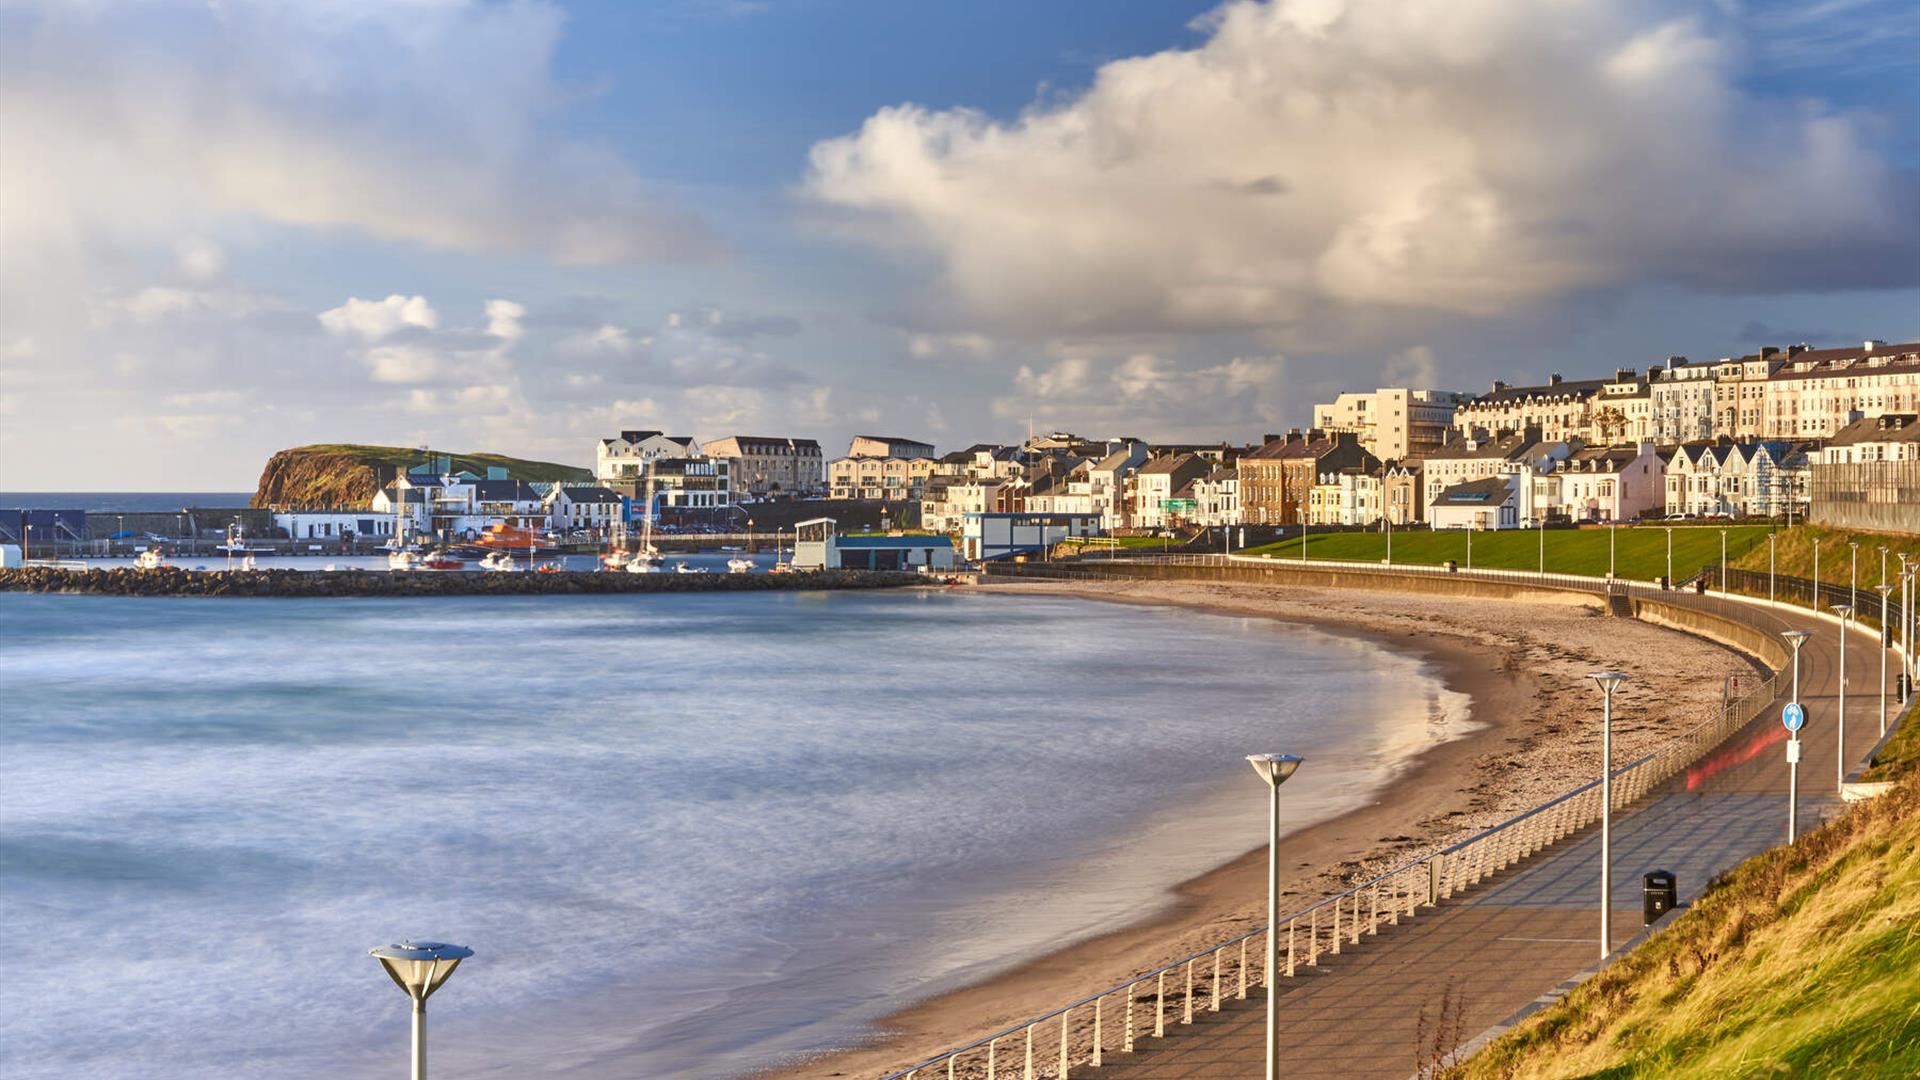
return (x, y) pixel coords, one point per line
(1793, 718)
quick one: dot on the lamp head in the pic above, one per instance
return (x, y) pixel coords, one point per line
(1883, 589)
(1845, 611)
(420, 967)
(1274, 768)
(1796, 638)
(1608, 681)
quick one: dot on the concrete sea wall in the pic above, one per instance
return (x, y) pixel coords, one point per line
(302, 583)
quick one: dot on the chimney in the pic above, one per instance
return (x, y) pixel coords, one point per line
(1768, 352)
(1796, 350)
(1676, 361)
(1871, 344)
(1553, 379)
(1498, 386)
(1624, 374)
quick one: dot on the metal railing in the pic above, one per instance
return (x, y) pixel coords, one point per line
(1120, 1017)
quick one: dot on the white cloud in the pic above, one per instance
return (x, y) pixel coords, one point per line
(1472, 157)
(930, 346)
(421, 121)
(200, 259)
(503, 319)
(1412, 367)
(372, 320)
(404, 363)
(1142, 390)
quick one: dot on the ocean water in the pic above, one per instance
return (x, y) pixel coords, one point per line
(684, 834)
(125, 502)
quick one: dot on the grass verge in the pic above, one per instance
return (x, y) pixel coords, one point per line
(1638, 551)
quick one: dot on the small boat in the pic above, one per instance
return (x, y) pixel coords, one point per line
(249, 563)
(739, 565)
(547, 568)
(782, 568)
(683, 568)
(501, 536)
(437, 560)
(402, 559)
(498, 561)
(642, 566)
(150, 559)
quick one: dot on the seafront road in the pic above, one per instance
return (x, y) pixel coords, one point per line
(1375, 1012)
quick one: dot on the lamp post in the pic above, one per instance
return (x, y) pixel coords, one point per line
(1303, 532)
(1816, 574)
(1274, 769)
(1389, 522)
(119, 529)
(1610, 546)
(1853, 573)
(1770, 538)
(26, 543)
(1543, 544)
(1669, 556)
(1886, 642)
(1469, 547)
(1845, 611)
(1795, 638)
(1608, 681)
(1723, 562)
(420, 968)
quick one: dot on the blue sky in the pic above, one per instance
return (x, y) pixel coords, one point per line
(517, 226)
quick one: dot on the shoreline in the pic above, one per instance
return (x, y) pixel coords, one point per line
(1511, 756)
(296, 584)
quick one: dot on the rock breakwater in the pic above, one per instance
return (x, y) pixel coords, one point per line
(171, 581)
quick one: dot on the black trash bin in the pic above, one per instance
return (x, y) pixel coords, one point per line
(1660, 893)
(1700, 586)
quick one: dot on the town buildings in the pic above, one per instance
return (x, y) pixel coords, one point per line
(759, 465)
(625, 457)
(1560, 409)
(1813, 393)
(1392, 422)
(1157, 482)
(1478, 457)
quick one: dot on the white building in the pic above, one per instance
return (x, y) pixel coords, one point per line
(1489, 503)
(1107, 483)
(819, 546)
(1611, 483)
(1217, 496)
(626, 457)
(761, 465)
(571, 508)
(1392, 422)
(1477, 457)
(1682, 396)
(986, 537)
(334, 524)
(1157, 482)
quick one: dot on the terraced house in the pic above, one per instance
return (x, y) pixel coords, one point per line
(763, 465)
(1814, 393)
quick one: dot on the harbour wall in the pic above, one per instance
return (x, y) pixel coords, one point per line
(171, 581)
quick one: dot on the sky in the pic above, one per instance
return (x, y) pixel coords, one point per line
(233, 226)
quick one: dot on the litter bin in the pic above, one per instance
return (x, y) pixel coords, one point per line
(1665, 582)
(1452, 567)
(1660, 893)
(1700, 586)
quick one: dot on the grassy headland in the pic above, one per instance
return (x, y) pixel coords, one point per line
(345, 474)
(1641, 553)
(1802, 961)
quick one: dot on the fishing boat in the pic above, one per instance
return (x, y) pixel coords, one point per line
(437, 560)
(501, 536)
(149, 559)
(499, 562)
(739, 564)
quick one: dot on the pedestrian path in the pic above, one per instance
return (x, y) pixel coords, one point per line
(1380, 1010)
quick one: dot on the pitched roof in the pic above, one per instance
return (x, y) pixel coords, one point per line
(1890, 428)
(1490, 491)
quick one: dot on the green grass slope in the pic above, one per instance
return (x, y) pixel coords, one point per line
(1641, 552)
(345, 475)
(517, 468)
(1793, 555)
(1802, 962)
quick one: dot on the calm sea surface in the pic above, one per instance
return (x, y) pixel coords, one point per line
(685, 834)
(126, 502)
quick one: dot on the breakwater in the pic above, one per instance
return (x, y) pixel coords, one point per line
(170, 581)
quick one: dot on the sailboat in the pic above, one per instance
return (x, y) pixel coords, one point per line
(647, 559)
(780, 563)
(400, 552)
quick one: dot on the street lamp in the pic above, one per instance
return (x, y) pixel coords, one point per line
(1845, 611)
(1669, 556)
(1274, 769)
(420, 968)
(1853, 573)
(1610, 531)
(1770, 539)
(1886, 642)
(1723, 562)
(1608, 681)
(1543, 544)
(1816, 574)
(1795, 638)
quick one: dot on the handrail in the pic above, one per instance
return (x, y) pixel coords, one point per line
(1424, 881)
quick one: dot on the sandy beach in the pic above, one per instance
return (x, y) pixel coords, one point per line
(1536, 734)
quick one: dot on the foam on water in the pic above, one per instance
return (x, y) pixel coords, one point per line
(685, 833)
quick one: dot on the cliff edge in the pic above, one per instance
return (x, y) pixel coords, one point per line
(347, 476)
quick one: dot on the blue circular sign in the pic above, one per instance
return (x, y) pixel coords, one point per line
(1793, 716)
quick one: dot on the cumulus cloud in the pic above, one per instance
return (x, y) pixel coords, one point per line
(503, 319)
(372, 320)
(1470, 157)
(1143, 390)
(422, 121)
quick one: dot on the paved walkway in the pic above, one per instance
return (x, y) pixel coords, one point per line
(1367, 1013)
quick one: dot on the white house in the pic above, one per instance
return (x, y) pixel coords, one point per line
(312, 525)
(626, 457)
(1218, 497)
(573, 507)
(1486, 504)
(1107, 482)
(1612, 483)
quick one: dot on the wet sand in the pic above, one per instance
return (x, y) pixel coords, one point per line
(1536, 734)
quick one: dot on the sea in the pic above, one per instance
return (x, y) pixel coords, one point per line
(124, 502)
(686, 835)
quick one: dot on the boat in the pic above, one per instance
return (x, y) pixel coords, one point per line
(438, 560)
(498, 561)
(249, 563)
(643, 566)
(782, 568)
(548, 568)
(149, 559)
(683, 568)
(739, 565)
(402, 559)
(501, 536)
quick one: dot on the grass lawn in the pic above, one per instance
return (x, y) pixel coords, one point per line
(1641, 553)
(1803, 961)
(1102, 543)
(1793, 555)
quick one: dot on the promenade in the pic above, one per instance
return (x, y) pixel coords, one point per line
(1381, 1010)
